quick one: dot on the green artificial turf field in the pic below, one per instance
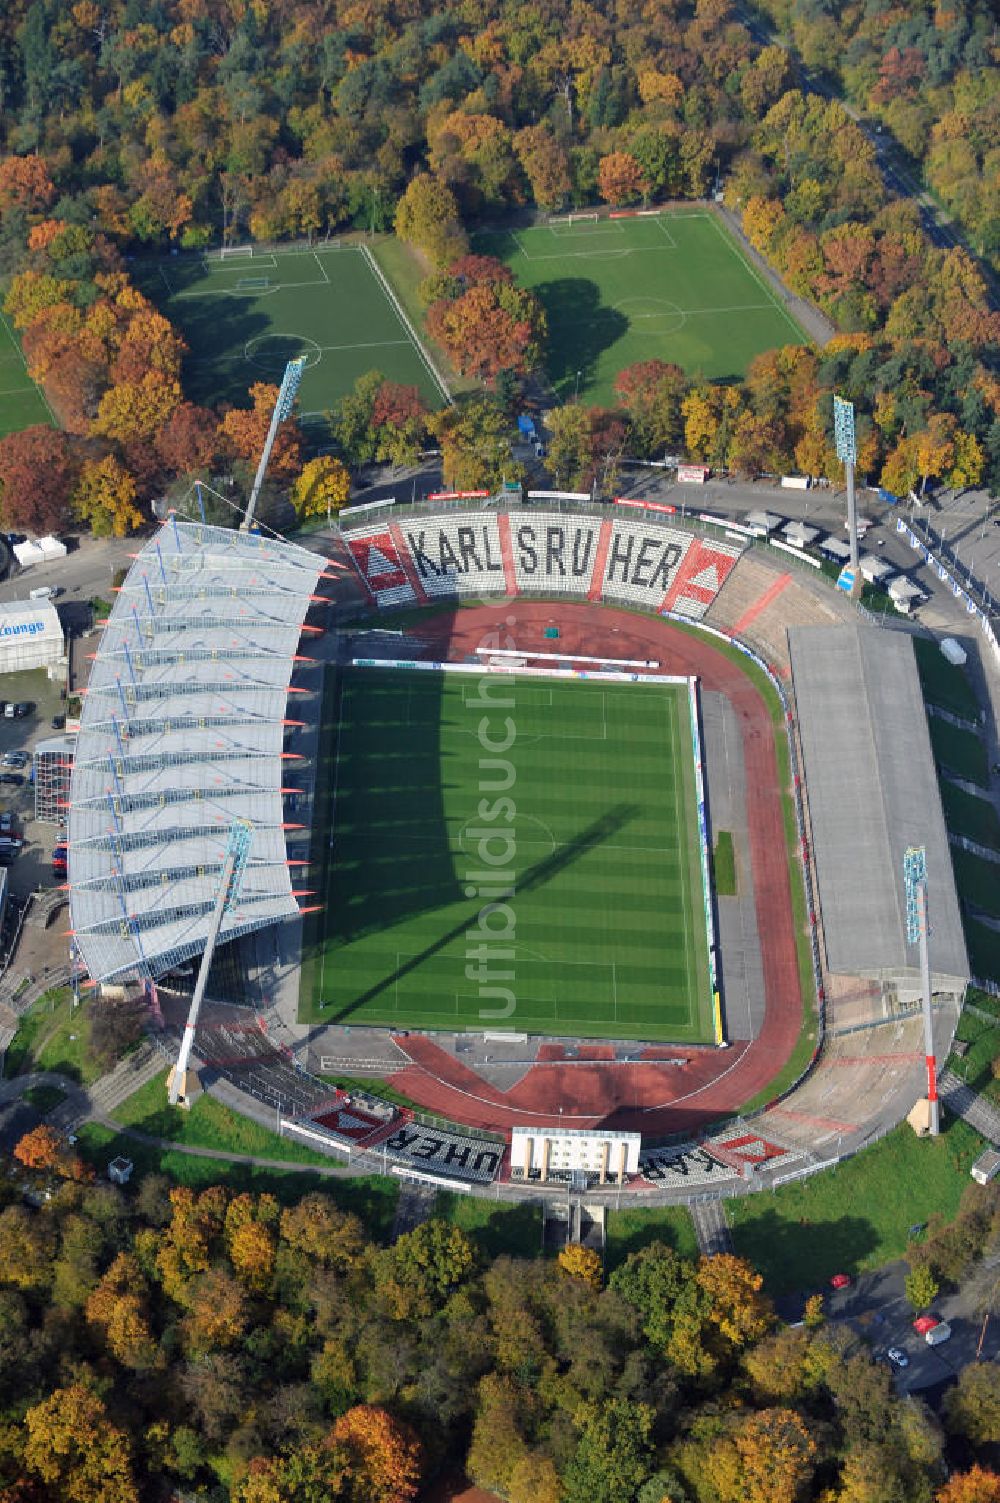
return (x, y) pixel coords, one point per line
(21, 403)
(604, 935)
(246, 316)
(675, 286)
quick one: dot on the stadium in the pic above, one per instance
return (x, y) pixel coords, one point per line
(485, 753)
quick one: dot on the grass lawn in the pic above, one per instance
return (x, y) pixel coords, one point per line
(209, 1124)
(404, 270)
(971, 816)
(945, 684)
(53, 1035)
(854, 1217)
(674, 286)
(21, 401)
(372, 1197)
(244, 318)
(961, 752)
(494, 1227)
(983, 1038)
(628, 1231)
(606, 923)
(978, 880)
(724, 865)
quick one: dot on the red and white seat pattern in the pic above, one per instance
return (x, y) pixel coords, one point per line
(524, 551)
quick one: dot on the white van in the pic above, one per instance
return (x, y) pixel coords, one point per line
(43, 592)
(938, 1333)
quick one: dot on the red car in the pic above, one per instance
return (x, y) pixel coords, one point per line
(925, 1323)
(841, 1281)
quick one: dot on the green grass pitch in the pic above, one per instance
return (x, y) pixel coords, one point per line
(674, 286)
(605, 931)
(21, 403)
(246, 316)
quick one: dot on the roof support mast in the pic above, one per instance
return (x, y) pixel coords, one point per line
(282, 409)
(917, 929)
(233, 867)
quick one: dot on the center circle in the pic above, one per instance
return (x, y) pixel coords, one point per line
(270, 353)
(654, 315)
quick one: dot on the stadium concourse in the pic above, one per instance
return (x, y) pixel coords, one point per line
(668, 574)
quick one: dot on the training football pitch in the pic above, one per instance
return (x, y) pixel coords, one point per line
(246, 315)
(21, 403)
(672, 286)
(571, 807)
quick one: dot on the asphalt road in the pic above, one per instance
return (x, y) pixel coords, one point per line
(876, 1309)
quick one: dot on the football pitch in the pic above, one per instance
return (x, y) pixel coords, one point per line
(246, 315)
(553, 886)
(21, 403)
(672, 286)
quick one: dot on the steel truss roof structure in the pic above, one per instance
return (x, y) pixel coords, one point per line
(183, 731)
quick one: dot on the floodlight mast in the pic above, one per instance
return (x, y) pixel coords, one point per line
(282, 408)
(917, 930)
(233, 866)
(847, 453)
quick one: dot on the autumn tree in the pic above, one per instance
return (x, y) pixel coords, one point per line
(620, 178)
(546, 166)
(316, 1227)
(651, 393)
(384, 1456)
(476, 445)
(975, 1486)
(972, 1406)
(41, 1148)
(324, 486)
(767, 1457)
(427, 218)
(422, 1268)
(490, 326)
(399, 418)
(104, 498)
(583, 1264)
(38, 469)
(25, 184)
(118, 1309)
(188, 441)
(244, 432)
(137, 409)
(73, 1448)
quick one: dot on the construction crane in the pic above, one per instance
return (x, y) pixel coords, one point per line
(233, 866)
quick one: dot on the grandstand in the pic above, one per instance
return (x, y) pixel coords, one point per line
(645, 564)
(182, 732)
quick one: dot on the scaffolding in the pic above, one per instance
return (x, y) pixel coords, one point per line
(53, 766)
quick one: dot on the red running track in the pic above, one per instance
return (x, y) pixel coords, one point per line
(649, 1095)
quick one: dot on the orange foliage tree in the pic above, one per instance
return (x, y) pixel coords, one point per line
(25, 184)
(620, 178)
(975, 1486)
(244, 431)
(73, 1447)
(384, 1455)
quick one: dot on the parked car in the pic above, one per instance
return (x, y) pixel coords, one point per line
(840, 1281)
(940, 1331)
(58, 722)
(14, 758)
(15, 779)
(925, 1323)
(6, 823)
(19, 709)
(897, 1357)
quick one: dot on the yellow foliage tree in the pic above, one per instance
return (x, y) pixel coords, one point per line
(582, 1263)
(104, 498)
(323, 487)
(137, 409)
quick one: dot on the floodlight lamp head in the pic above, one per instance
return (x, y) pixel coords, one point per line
(843, 430)
(290, 383)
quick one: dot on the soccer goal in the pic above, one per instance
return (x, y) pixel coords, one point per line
(236, 253)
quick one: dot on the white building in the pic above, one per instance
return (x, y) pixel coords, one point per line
(31, 635)
(547, 1153)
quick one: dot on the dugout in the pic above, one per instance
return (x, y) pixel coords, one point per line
(872, 791)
